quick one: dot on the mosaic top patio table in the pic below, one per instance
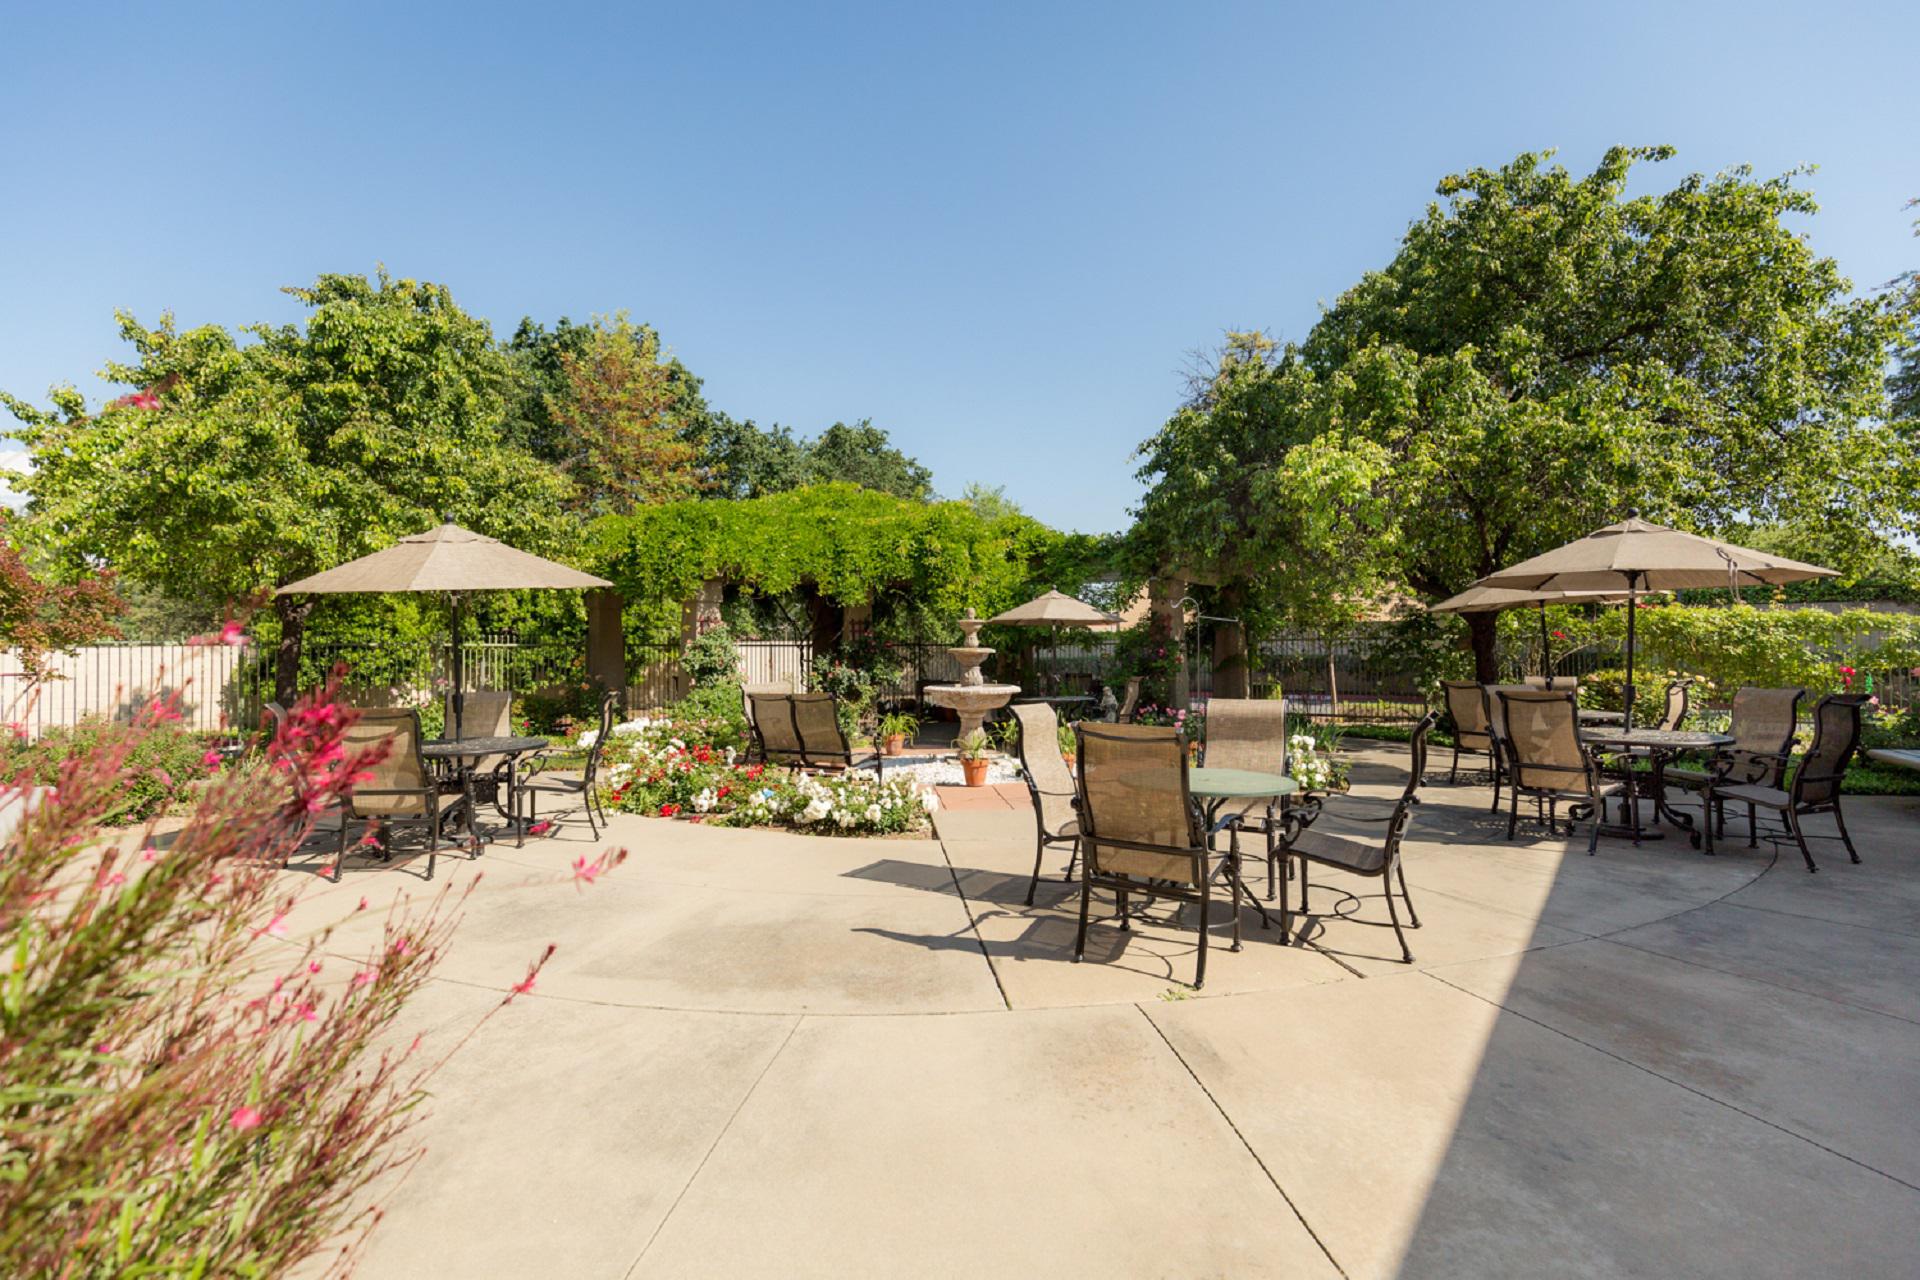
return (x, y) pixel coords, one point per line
(1660, 745)
(465, 752)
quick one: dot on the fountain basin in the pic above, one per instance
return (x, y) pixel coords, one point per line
(972, 702)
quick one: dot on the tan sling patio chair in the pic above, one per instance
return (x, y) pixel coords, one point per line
(1547, 761)
(1763, 726)
(1050, 786)
(1467, 704)
(1140, 832)
(1251, 733)
(401, 791)
(1816, 782)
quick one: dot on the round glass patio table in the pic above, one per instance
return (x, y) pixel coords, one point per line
(1214, 787)
(465, 751)
(1660, 745)
(1602, 717)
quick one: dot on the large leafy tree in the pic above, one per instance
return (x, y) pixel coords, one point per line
(621, 408)
(749, 461)
(1543, 354)
(238, 466)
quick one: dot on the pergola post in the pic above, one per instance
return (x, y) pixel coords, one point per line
(606, 643)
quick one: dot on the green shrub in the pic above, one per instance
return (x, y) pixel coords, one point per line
(716, 710)
(164, 763)
(557, 708)
(712, 658)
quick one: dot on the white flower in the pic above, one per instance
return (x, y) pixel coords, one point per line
(730, 754)
(704, 802)
(873, 813)
(590, 737)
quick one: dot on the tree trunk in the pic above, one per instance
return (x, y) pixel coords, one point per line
(292, 613)
(1230, 672)
(1482, 631)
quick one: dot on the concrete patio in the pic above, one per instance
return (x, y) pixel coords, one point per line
(763, 1054)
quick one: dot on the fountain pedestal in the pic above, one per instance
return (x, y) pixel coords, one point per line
(972, 697)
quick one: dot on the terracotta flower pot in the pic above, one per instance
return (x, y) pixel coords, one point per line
(975, 771)
(895, 745)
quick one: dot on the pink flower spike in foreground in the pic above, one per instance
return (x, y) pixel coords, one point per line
(364, 978)
(276, 927)
(525, 985)
(585, 872)
(244, 1118)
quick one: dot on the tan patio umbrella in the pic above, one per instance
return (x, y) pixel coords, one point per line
(1054, 609)
(450, 560)
(1648, 557)
(1499, 599)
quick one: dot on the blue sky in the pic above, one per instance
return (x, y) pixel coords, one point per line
(997, 230)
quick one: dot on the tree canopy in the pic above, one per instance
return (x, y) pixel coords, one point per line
(1542, 354)
(748, 461)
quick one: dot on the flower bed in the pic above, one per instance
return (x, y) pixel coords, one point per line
(666, 768)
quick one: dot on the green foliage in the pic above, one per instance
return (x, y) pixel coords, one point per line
(718, 709)
(1542, 354)
(542, 387)
(899, 724)
(559, 708)
(849, 544)
(711, 657)
(975, 745)
(1740, 645)
(242, 466)
(162, 766)
(747, 461)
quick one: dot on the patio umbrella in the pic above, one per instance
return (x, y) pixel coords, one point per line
(1648, 557)
(1499, 599)
(448, 560)
(1054, 609)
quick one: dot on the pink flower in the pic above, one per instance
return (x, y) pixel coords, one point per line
(244, 1118)
(539, 828)
(362, 906)
(276, 927)
(233, 633)
(211, 759)
(585, 872)
(364, 978)
(115, 879)
(313, 966)
(150, 854)
(525, 985)
(402, 946)
(307, 1013)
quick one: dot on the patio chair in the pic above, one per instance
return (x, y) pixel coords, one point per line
(775, 688)
(401, 790)
(1762, 728)
(1547, 761)
(1496, 731)
(1050, 786)
(1467, 704)
(1559, 684)
(1140, 831)
(776, 739)
(823, 744)
(486, 713)
(1375, 859)
(1816, 782)
(535, 780)
(1251, 733)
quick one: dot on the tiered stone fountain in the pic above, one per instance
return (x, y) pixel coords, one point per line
(973, 698)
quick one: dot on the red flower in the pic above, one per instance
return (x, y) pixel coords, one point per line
(668, 810)
(244, 1118)
(1559, 635)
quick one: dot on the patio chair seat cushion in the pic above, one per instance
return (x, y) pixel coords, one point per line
(555, 782)
(1472, 741)
(1340, 851)
(1690, 778)
(1769, 797)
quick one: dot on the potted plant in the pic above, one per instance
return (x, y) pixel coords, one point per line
(1069, 743)
(895, 728)
(973, 757)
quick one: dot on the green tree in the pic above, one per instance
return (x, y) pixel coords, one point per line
(238, 467)
(1543, 354)
(542, 387)
(746, 461)
(1903, 386)
(620, 407)
(863, 454)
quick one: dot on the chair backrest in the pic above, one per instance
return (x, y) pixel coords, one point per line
(402, 769)
(1496, 712)
(1677, 701)
(1049, 781)
(1537, 682)
(1763, 723)
(1132, 700)
(818, 724)
(1417, 768)
(1541, 734)
(1133, 790)
(1836, 732)
(1247, 733)
(781, 687)
(774, 729)
(1467, 704)
(485, 713)
(1563, 684)
(609, 708)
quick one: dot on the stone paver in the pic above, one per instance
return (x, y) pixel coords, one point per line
(760, 1053)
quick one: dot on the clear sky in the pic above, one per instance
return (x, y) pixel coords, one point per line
(997, 230)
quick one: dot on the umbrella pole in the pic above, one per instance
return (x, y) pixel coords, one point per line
(1633, 608)
(1546, 650)
(459, 674)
